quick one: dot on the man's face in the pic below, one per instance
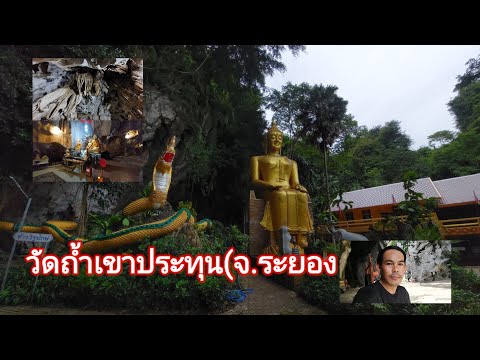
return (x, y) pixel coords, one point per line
(393, 267)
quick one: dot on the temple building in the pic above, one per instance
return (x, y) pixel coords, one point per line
(457, 214)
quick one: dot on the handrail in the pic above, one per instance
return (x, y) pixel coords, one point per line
(461, 219)
(460, 223)
(370, 221)
(446, 226)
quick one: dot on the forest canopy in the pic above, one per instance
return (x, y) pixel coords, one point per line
(219, 96)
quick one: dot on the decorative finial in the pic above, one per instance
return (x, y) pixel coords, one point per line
(273, 128)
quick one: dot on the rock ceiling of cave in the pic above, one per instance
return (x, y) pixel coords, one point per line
(104, 88)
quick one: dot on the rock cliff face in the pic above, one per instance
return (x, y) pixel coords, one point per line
(103, 89)
(428, 260)
(50, 201)
(159, 112)
(162, 119)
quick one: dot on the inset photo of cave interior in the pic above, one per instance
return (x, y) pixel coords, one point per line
(87, 120)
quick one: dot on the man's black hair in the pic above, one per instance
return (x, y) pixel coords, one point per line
(391, 247)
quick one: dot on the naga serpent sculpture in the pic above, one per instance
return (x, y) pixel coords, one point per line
(162, 175)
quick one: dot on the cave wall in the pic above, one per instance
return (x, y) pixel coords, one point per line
(429, 260)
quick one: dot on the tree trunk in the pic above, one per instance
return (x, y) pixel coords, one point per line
(327, 188)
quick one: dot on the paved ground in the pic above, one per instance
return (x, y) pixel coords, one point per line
(267, 298)
(434, 292)
(270, 298)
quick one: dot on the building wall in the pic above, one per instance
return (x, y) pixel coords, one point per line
(444, 213)
(375, 212)
(458, 212)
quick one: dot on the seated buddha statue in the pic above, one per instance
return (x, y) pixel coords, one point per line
(286, 201)
(78, 146)
(93, 146)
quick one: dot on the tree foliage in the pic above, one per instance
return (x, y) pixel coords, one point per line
(441, 137)
(287, 106)
(373, 157)
(472, 74)
(460, 157)
(322, 115)
(217, 92)
(466, 106)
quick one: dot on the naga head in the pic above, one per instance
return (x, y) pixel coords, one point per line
(165, 161)
(170, 152)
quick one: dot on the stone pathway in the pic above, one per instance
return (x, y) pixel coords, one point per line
(270, 298)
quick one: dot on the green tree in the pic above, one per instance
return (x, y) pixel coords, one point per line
(310, 167)
(373, 157)
(466, 106)
(460, 157)
(417, 209)
(442, 137)
(423, 165)
(351, 131)
(344, 154)
(322, 121)
(472, 74)
(217, 94)
(286, 105)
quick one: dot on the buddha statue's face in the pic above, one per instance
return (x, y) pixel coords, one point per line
(275, 140)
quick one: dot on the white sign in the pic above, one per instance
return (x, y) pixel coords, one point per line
(32, 237)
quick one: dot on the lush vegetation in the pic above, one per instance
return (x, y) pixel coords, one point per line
(218, 93)
(173, 293)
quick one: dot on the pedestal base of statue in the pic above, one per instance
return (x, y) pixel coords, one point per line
(259, 237)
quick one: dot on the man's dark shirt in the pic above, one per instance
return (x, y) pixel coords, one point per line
(376, 293)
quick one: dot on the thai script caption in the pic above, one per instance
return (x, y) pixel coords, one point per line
(201, 265)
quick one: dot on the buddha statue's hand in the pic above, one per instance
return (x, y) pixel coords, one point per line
(301, 188)
(275, 187)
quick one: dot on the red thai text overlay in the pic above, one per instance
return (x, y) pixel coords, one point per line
(201, 265)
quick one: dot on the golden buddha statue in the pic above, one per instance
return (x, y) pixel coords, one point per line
(93, 146)
(78, 147)
(286, 200)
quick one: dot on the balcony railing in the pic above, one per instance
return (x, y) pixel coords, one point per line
(448, 228)
(458, 227)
